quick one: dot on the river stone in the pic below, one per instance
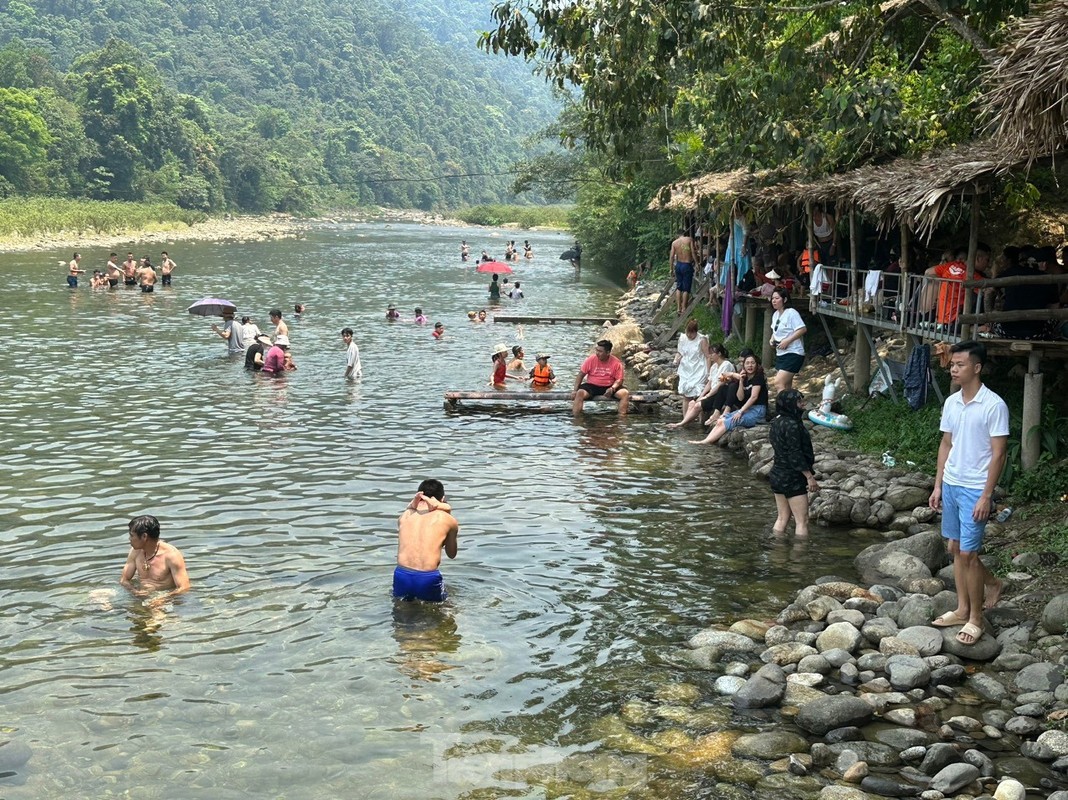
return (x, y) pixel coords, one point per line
(987, 687)
(805, 678)
(1057, 741)
(893, 646)
(1055, 614)
(728, 684)
(778, 634)
(725, 641)
(1040, 677)
(885, 592)
(854, 618)
(764, 689)
(1030, 710)
(916, 610)
(838, 792)
(798, 694)
(837, 657)
(846, 734)
(985, 649)
(839, 636)
(829, 713)
(816, 663)
(856, 773)
(872, 661)
(906, 498)
(964, 723)
(849, 674)
(862, 604)
(792, 613)
(888, 787)
(846, 759)
(788, 653)
(13, 754)
(901, 716)
(1022, 726)
(910, 754)
(1041, 698)
(787, 787)
(907, 672)
(938, 757)
(1010, 789)
(736, 668)
(876, 685)
(877, 755)
(751, 629)
(899, 738)
(951, 673)
(953, 777)
(896, 567)
(819, 608)
(704, 657)
(1037, 751)
(769, 746)
(877, 629)
(926, 639)
(979, 760)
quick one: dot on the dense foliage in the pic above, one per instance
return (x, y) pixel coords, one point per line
(263, 105)
(678, 88)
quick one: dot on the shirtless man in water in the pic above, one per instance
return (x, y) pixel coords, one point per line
(129, 270)
(425, 528)
(147, 275)
(158, 566)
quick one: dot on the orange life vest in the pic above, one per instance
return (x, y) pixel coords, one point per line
(540, 376)
(806, 259)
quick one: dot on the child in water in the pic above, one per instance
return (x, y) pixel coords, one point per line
(439, 330)
(420, 317)
(392, 314)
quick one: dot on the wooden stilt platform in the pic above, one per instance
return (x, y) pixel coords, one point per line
(525, 320)
(639, 401)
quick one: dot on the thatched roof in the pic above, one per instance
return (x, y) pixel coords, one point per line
(686, 195)
(1028, 98)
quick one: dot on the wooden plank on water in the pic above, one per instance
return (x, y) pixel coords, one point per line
(527, 320)
(453, 398)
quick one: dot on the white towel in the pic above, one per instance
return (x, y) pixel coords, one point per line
(815, 286)
(871, 284)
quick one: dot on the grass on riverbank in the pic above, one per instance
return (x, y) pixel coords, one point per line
(26, 217)
(525, 217)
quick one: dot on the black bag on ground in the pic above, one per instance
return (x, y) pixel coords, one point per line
(918, 376)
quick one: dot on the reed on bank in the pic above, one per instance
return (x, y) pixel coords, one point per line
(25, 217)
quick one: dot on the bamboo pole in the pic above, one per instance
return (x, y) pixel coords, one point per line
(1032, 412)
(966, 330)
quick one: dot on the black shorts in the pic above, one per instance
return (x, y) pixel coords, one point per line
(113, 282)
(596, 391)
(788, 483)
(148, 288)
(130, 281)
(166, 280)
(789, 362)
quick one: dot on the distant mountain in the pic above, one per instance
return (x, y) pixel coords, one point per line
(372, 99)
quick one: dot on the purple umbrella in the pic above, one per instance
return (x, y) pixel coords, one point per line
(211, 307)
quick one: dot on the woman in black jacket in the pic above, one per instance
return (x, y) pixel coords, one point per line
(791, 476)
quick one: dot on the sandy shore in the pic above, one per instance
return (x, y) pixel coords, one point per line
(215, 229)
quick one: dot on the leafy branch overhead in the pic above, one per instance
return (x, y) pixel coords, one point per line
(815, 85)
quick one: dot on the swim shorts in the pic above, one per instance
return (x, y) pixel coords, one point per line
(415, 584)
(596, 391)
(684, 276)
(148, 288)
(166, 280)
(113, 282)
(72, 281)
(958, 503)
(789, 362)
(130, 281)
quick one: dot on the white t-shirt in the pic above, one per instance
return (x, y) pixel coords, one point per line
(353, 360)
(783, 324)
(716, 370)
(243, 335)
(971, 426)
(516, 294)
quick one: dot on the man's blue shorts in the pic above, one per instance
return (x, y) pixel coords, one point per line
(683, 276)
(414, 584)
(958, 503)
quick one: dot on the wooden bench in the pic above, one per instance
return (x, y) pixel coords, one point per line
(643, 401)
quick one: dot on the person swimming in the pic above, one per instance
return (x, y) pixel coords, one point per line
(424, 529)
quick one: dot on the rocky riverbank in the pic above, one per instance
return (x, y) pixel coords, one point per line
(850, 693)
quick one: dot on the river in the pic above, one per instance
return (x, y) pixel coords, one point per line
(590, 550)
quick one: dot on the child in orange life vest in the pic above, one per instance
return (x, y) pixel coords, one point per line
(542, 376)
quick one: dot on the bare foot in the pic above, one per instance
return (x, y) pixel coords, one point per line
(993, 593)
(696, 441)
(673, 425)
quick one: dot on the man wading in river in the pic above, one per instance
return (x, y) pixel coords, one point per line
(424, 529)
(158, 566)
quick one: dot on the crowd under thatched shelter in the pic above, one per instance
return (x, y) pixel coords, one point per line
(1028, 99)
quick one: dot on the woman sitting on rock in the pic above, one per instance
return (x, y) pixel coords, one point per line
(792, 476)
(715, 392)
(753, 397)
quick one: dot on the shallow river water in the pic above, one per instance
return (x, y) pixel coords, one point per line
(589, 550)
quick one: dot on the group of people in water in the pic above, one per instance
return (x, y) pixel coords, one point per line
(132, 272)
(511, 252)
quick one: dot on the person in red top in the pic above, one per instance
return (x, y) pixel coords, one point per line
(274, 361)
(950, 295)
(600, 374)
(500, 376)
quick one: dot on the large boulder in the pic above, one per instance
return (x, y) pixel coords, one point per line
(908, 672)
(1039, 677)
(765, 688)
(893, 566)
(906, 498)
(986, 649)
(927, 640)
(725, 641)
(927, 546)
(837, 711)
(1055, 614)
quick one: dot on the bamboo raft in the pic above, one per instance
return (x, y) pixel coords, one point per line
(642, 401)
(525, 320)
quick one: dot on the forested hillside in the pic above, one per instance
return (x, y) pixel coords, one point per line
(260, 105)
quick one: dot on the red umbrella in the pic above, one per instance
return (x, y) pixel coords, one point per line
(496, 267)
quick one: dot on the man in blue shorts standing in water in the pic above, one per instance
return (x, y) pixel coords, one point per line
(424, 529)
(975, 431)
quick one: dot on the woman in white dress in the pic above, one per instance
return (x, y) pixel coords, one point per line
(692, 364)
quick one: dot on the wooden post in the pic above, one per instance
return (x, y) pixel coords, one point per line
(854, 286)
(862, 350)
(767, 352)
(1030, 444)
(903, 282)
(749, 312)
(966, 331)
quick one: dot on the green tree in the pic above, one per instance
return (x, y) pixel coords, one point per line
(24, 138)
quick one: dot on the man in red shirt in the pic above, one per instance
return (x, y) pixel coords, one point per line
(950, 294)
(600, 374)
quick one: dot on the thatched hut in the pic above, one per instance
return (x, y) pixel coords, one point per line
(1028, 99)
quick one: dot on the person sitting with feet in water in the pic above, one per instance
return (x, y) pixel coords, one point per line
(426, 527)
(156, 565)
(600, 374)
(971, 456)
(715, 393)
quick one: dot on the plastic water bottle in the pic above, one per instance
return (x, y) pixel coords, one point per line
(1004, 514)
(889, 460)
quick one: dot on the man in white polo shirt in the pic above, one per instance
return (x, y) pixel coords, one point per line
(975, 431)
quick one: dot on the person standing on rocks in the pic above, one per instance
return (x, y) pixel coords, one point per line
(975, 432)
(792, 475)
(681, 257)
